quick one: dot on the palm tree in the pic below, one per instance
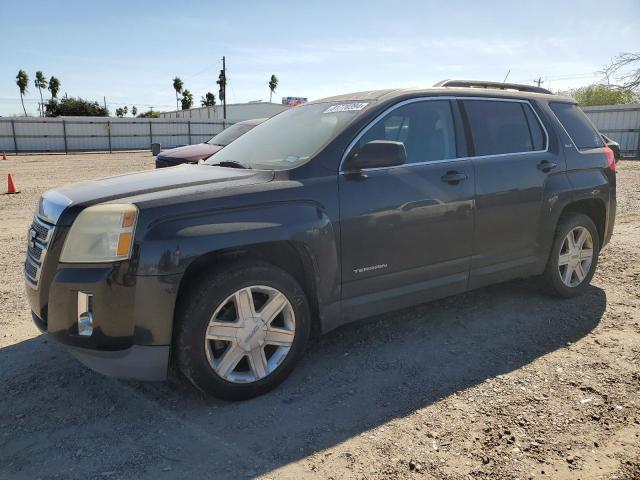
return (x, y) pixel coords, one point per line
(22, 80)
(187, 99)
(209, 100)
(125, 109)
(273, 84)
(40, 82)
(177, 86)
(134, 110)
(54, 87)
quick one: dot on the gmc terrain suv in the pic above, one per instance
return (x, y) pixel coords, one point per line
(329, 212)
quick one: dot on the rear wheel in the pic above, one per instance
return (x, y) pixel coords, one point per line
(242, 330)
(574, 256)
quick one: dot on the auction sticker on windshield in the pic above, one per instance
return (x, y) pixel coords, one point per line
(346, 107)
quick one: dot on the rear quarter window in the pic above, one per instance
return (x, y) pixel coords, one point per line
(577, 125)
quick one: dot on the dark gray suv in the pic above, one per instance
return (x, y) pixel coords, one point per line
(329, 212)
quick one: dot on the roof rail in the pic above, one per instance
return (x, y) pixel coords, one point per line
(498, 85)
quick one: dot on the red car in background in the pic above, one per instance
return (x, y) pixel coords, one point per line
(201, 151)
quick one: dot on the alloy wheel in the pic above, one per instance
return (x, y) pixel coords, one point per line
(250, 334)
(576, 256)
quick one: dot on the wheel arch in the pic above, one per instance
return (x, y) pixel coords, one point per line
(594, 208)
(294, 257)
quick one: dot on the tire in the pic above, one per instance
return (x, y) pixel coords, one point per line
(239, 287)
(558, 270)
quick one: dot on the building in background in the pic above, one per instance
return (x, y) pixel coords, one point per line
(236, 112)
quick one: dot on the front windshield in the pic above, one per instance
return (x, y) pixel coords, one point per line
(228, 135)
(290, 138)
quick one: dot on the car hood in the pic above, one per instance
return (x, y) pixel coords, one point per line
(191, 153)
(72, 198)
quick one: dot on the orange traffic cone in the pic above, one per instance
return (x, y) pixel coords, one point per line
(11, 187)
(4, 155)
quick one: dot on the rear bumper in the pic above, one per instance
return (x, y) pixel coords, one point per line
(136, 363)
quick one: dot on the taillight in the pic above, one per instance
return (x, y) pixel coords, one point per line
(611, 158)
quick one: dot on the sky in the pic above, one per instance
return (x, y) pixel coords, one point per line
(129, 51)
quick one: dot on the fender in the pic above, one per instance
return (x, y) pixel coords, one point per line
(562, 190)
(171, 245)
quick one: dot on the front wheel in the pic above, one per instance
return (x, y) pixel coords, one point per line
(241, 331)
(574, 256)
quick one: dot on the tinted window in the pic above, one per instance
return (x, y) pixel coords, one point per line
(425, 128)
(503, 127)
(577, 125)
(537, 134)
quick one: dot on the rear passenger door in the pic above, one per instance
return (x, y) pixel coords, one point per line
(512, 164)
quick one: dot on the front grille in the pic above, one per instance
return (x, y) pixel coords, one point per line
(39, 237)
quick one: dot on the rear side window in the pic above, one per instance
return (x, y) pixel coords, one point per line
(577, 125)
(499, 127)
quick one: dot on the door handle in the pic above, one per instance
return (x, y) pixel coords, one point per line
(546, 166)
(453, 177)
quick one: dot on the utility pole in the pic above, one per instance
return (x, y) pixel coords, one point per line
(104, 100)
(224, 100)
(539, 81)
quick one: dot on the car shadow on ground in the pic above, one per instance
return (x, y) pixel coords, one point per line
(80, 424)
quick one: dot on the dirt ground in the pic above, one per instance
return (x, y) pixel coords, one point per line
(499, 383)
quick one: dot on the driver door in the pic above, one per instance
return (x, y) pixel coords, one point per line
(406, 231)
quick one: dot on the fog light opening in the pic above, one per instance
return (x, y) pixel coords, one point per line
(85, 314)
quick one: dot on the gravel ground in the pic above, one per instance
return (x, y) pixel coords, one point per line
(500, 383)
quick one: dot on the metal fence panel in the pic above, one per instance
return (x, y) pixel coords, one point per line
(620, 123)
(73, 134)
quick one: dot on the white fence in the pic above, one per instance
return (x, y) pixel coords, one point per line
(620, 123)
(83, 134)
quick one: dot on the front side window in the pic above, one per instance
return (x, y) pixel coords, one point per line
(425, 127)
(499, 127)
(577, 125)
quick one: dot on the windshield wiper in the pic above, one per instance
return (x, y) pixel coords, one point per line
(229, 164)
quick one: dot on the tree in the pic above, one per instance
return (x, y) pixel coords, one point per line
(603, 95)
(74, 107)
(273, 84)
(222, 86)
(40, 82)
(624, 70)
(125, 109)
(149, 114)
(187, 99)
(54, 86)
(209, 100)
(134, 110)
(177, 86)
(119, 112)
(22, 80)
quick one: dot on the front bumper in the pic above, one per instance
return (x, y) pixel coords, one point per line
(162, 162)
(136, 363)
(132, 318)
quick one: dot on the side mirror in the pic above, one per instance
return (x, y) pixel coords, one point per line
(375, 154)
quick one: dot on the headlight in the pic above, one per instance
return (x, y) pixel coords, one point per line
(102, 233)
